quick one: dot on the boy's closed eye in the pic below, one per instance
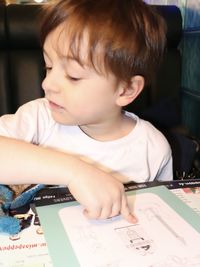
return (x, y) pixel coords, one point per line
(73, 78)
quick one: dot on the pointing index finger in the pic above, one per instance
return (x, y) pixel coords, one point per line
(126, 213)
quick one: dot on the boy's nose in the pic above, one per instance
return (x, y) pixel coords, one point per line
(50, 84)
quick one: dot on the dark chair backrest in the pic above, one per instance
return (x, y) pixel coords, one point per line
(160, 102)
(21, 60)
(4, 87)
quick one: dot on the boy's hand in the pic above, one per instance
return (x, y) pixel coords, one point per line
(102, 196)
(124, 211)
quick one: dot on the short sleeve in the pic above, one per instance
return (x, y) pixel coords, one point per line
(29, 123)
(166, 170)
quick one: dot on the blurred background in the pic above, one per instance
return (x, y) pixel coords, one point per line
(190, 50)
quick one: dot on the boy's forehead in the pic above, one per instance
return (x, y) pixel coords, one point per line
(76, 47)
(68, 45)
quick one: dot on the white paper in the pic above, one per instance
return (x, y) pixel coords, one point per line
(161, 238)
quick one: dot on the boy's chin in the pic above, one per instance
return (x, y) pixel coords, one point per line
(58, 118)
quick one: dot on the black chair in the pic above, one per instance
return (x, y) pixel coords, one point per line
(21, 60)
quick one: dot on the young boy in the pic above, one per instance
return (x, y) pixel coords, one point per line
(98, 56)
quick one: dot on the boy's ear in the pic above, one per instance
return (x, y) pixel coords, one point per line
(129, 91)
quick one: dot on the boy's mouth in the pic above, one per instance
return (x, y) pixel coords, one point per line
(54, 106)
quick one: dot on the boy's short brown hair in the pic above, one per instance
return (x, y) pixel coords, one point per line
(129, 32)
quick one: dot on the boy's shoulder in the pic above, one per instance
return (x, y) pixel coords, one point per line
(147, 132)
(39, 102)
(36, 106)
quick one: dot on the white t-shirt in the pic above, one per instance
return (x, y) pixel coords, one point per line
(143, 155)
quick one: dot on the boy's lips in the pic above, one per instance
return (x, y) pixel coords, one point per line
(53, 105)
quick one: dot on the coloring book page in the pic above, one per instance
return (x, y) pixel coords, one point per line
(167, 233)
(160, 238)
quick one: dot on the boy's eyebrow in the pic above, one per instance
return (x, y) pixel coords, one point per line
(46, 54)
(76, 59)
(69, 57)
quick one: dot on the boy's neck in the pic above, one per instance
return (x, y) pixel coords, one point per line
(110, 130)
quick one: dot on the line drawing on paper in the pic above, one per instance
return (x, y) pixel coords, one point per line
(134, 237)
(160, 238)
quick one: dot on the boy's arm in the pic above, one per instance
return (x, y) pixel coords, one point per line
(101, 194)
